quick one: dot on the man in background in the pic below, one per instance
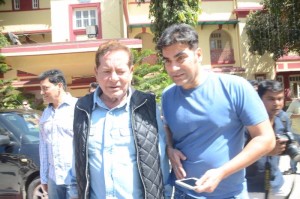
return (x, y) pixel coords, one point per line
(264, 178)
(56, 134)
(93, 87)
(26, 105)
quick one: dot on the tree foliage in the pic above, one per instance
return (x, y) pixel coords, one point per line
(8, 95)
(164, 13)
(3, 42)
(275, 29)
(149, 78)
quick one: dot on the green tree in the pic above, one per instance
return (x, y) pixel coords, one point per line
(2, 2)
(275, 29)
(3, 40)
(8, 95)
(167, 12)
(149, 78)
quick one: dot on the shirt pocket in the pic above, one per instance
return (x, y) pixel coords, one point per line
(95, 140)
(122, 136)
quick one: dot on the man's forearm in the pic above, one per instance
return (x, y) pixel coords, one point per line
(169, 136)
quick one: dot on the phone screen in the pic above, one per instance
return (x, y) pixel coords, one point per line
(190, 182)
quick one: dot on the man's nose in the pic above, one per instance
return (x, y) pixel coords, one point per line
(173, 66)
(114, 76)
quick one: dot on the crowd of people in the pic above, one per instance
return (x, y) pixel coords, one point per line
(116, 143)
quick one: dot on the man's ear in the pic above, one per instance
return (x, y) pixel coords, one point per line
(60, 84)
(131, 68)
(199, 54)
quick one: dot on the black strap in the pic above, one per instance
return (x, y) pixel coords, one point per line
(267, 178)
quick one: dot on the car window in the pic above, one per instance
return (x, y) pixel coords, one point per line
(27, 125)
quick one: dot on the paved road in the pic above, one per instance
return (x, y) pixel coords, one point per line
(295, 178)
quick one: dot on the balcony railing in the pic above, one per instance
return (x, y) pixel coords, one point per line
(222, 56)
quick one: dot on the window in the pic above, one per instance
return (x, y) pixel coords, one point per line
(216, 41)
(295, 86)
(25, 5)
(260, 77)
(280, 79)
(16, 4)
(139, 1)
(35, 4)
(84, 18)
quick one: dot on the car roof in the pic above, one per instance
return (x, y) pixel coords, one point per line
(20, 111)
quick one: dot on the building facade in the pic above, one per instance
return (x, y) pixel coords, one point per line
(65, 34)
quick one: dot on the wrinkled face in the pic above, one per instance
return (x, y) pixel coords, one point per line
(274, 102)
(114, 75)
(182, 64)
(50, 91)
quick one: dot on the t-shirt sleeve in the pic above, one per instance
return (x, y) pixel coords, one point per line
(249, 106)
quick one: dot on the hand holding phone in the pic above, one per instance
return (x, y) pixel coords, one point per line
(189, 183)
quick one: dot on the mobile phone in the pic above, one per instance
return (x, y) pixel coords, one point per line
(189, 183)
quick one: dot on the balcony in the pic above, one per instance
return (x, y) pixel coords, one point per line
(222, 56)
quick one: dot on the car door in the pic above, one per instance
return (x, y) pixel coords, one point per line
(10, 173)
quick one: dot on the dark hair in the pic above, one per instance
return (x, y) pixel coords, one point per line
(55, 76)
(253, 82)
(178, 33)
(112, 46)
(93, 85)
(269, 85)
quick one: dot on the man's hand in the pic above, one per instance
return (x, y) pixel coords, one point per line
(209, 181)
(176, 157)
(279, 147)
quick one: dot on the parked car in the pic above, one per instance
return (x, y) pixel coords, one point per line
(19, 155)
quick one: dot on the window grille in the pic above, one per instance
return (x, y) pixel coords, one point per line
(16, 4)
(35, 4)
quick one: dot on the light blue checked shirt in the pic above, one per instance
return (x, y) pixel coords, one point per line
(56, 141)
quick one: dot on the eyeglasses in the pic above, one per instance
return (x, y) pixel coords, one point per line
(25, 104)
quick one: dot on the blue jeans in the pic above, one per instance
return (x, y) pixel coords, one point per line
(293, 164)
(57, 191)
(178, 194)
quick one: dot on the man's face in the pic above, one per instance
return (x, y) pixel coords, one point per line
(114, 75)
(50, 91)
(25, 105)
(183, 64)
(274, 102)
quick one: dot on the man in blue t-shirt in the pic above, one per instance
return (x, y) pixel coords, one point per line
(205, 116)
(259, 183)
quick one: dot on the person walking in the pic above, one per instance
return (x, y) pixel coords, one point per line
(119, 142)
(56, 134)
(205, 115)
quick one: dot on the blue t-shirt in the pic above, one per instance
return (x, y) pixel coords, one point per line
(208, 125)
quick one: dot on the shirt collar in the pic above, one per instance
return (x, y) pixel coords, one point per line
(98, 102)
(67, 99)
